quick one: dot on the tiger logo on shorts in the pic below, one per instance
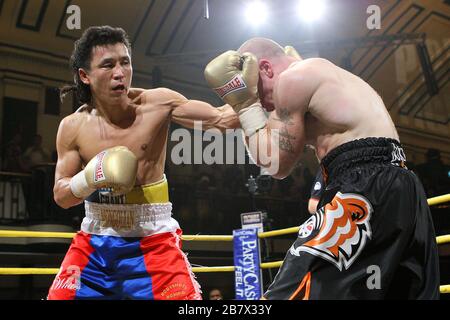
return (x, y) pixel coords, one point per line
(340, 229)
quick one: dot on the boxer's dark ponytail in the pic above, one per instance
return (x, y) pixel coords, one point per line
(82, 55)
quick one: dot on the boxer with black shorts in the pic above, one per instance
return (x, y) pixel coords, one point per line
(372, 236)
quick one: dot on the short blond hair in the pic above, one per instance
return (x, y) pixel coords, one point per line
(262, 48)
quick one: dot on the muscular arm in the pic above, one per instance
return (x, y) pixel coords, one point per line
(68, 164)
(186, 112)
(285, 126)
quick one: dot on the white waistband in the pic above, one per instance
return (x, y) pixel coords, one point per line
(128, 220)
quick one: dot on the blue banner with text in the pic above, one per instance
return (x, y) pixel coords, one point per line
(247, 273)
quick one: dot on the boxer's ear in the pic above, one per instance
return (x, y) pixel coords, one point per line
(266, 68)
(83, 76)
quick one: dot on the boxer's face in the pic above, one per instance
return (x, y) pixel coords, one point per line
(215, 295)
(265, 95)
(269, 72)
(110, 73)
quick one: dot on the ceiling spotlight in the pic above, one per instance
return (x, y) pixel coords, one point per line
(256, 12)
(311, 10)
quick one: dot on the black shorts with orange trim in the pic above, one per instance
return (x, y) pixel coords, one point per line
(373, 236)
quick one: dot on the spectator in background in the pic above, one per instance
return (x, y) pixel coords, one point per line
(308, 182)
(215, 294)
(434, 174)
(233, 179)
(285, 186)
(12, 156)
(36, 154)
(204, 183)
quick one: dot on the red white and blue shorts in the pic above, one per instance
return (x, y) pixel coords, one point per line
(142, 262)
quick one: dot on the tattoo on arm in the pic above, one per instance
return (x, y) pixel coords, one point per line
(286, 140)
(284, 116)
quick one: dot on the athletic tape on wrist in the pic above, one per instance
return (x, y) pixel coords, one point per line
(79, 186)
(252, 119)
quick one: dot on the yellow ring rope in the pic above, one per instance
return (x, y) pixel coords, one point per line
(35, 234)
(443, 239)
(41, 271)
(52, 271)
(270, 265)
(445, 288)
(213, 269)
(278, 232)
(20, 271)
(438, 200)
(431, 202)
(70, 235)
(206, 238)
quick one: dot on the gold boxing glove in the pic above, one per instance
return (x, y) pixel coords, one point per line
(114, 168)
(234, 77)
(290, 51)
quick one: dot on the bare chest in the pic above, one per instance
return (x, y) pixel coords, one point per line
(142, 138)
(323, 134)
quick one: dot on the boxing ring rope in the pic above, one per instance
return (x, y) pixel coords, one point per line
(431, 202)
(438, 200)
(443, 239)
(266, 265)
(70, 235)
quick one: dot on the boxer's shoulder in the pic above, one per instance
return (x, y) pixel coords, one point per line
(80, 116)
(73, 119)
(308, 74)
(316, 62)
(85, 108)
(160, 96)
(69, 128)
(311, 67)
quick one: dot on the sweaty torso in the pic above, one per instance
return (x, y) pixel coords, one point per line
(343, 108)
(146, 135)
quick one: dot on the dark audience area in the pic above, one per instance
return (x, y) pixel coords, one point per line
(206, 199)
